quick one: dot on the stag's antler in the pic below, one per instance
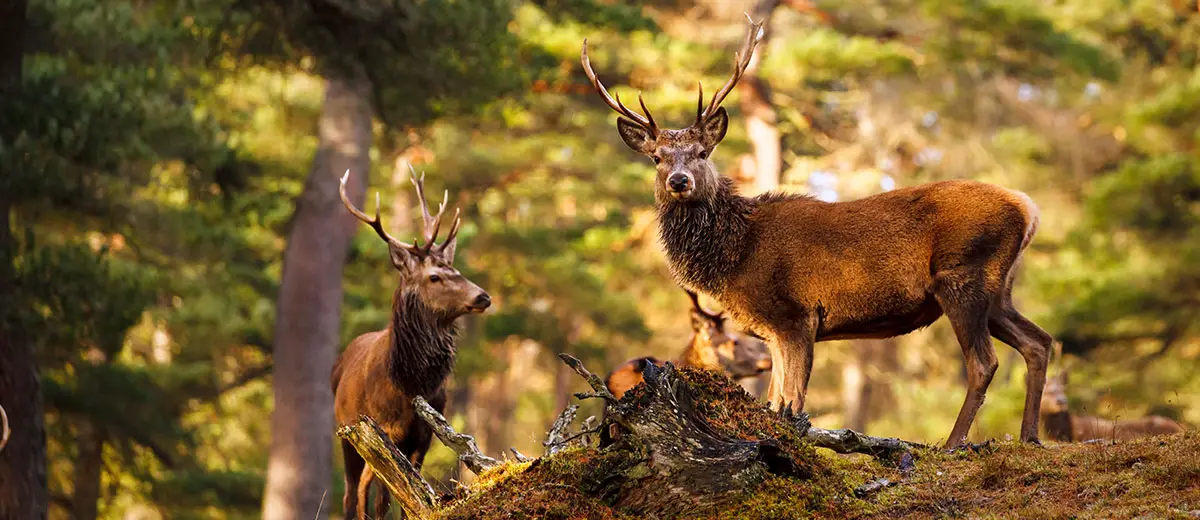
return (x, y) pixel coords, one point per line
(4, 429)
(375, 223)
(433, 224)
(646, 122)
(741, 60)
(700, 308)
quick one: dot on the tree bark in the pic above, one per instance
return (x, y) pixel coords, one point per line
(760, 114)
(89, 465)
(309, 306)
(23, 491)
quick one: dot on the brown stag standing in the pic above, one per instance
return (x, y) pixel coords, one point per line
(711, 348)
(381, 372)
(796, 270)
(1063, 426)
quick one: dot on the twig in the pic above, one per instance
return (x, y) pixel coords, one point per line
(462, 444)
(593, 380)
(556, 437)
(873, 486)
(849, 441)
(413, 493)
(589, 395)
(520, 456)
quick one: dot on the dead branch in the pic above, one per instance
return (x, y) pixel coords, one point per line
(593, 380)
(413, 493)
(556, 438)
(462, 444)
(519, 456)
(846, 440)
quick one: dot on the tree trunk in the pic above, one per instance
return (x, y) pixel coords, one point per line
(88, 470)
(23, 492)
(760, 113)
(309, 307)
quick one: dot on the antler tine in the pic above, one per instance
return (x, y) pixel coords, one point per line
(5, 431)
(646, 121)
(754, 34)
(431, 235)
(375, 223)
(453, 230)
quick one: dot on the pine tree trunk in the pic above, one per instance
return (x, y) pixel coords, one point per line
(299, 473)
(88, 469)
(23, 492)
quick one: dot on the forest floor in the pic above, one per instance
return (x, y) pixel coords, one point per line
(1150, 478)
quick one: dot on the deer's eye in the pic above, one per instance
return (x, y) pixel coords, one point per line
(435, 278)
(704, 154)
(656, 159)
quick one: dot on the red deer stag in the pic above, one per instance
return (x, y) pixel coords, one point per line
(1063, 426)
(711, 348)
(381, 372)
(796, 270)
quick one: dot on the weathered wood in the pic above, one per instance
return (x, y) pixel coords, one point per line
(594, 381)
(846, 440)
(676, 450)
(556, 438)
(873, 486)
(4, 430)
(462, 444)
(414, 494)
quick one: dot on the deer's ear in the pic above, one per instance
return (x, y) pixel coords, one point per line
(635, 136)
(403, 260)
(448, 250)
(714, 128)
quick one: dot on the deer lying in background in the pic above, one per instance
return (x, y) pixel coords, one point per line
(381, 372)
(796, 270)
(1063, 426)
(710, 348)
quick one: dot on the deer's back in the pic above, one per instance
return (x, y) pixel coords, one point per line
(870, 264)
(1087, 428)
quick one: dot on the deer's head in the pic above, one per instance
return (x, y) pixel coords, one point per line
(428, 270)
(712, 347)
(1054, 396)
(682, 157)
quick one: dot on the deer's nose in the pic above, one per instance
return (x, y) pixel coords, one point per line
(481, 302)
(679, 182)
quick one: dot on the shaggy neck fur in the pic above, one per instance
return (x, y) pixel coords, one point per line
(706, 240)
(1058, 426)
(422, 353)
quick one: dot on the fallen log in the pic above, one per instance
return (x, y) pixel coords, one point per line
(391, 467)
(464, 445)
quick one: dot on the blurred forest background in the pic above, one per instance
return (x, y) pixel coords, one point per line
(161, 161)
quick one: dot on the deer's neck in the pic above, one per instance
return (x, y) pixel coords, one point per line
(707, 240)
(422, 350)
(699, 354)
(1058, 426)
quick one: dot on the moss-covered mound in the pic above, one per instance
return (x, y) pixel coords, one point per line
(1152, 478)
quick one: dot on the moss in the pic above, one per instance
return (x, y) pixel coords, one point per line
(571, 485)
(736, 413)
(1152, 478)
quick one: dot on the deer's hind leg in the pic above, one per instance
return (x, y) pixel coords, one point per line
(1033, 343)
(966, 297)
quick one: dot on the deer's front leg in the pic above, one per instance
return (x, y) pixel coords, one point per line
(791, 359)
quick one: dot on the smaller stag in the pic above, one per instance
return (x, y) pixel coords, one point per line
(1063, 426)
(380, 372)
(711, 348)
